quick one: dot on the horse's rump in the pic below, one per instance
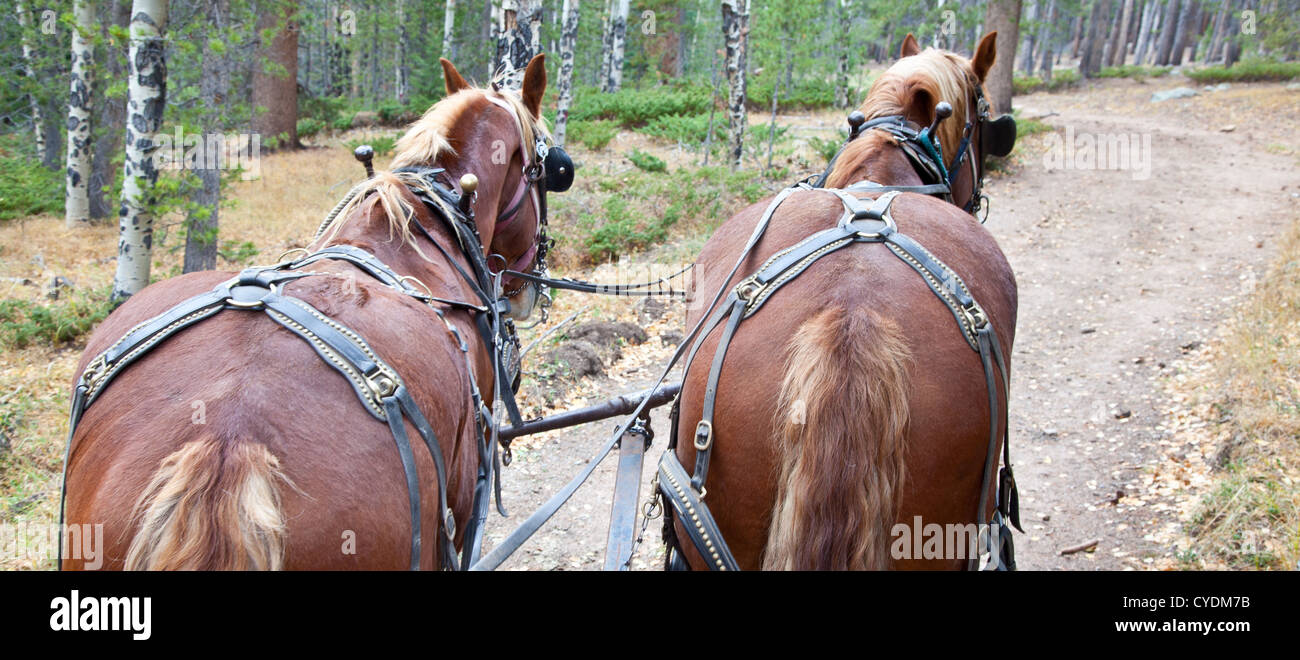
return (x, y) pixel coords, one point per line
(188, 455)
(919, 359)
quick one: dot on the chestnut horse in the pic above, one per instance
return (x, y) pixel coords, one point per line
(851, 403)
(232, 445)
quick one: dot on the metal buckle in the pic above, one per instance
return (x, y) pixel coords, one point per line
(275, 288)
(95, 371)
(975, 316)
(382, 384)
(703, 435)
(747, 289)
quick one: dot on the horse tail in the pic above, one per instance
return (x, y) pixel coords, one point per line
(841, 444)
(211, 506)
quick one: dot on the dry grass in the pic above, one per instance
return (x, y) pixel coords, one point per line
(1251, 516)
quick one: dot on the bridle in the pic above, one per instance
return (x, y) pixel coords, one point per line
(921, 145)
(545, 162)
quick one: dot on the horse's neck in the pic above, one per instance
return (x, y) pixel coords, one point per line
(441, 276)
(876, 158)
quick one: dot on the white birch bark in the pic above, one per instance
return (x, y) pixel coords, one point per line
(617, 43)
(735, 30)
(568, 39)
(400, 83)
(38, 125)
(146, 95)
(606, 41)
(449, 31)
(842, 99)
(76, 193)
(520, 23)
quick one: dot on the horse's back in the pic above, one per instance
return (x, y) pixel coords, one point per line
(238, 382)
(867, 290)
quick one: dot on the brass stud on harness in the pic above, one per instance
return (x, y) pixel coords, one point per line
(468, 184)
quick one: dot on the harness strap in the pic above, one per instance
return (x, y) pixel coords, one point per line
(859, 224)
(377, 384)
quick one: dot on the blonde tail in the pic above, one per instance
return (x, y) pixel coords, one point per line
(841, 444)
(211, 506)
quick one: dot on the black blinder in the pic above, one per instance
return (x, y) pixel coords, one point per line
(998, 136)
(559, 170)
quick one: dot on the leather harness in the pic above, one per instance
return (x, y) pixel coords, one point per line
(860, 223)
(376, 383)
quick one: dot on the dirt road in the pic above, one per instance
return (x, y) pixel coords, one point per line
(1121, 276)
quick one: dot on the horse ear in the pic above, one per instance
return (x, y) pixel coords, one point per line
(985, 53)
(451, 77)
(910, 47)
(919, 106)
(535, 85)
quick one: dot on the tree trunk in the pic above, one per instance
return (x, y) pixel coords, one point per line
(110, 117)
(517, 39)
(617, 44)
(201, 226)
(1144, 33)
(76, 200)
(1045, 37)
(38, 125)
(568, 39)
(1232, 49)
(1003, 16)
(1180, 34)
(1077, 40)
(449, 31)
(1167, 32)
(842, 99)
(275, 90)
(1027, 44)
(401, 82)
(1220, 25)
(1112, 29)
(606, 42)
(735, 30)
(147, 94)
(1090, 59)
(1120, 49)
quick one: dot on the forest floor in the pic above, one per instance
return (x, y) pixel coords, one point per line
(1123, 283)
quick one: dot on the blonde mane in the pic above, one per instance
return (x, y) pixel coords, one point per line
(424, 143)
(945, 76)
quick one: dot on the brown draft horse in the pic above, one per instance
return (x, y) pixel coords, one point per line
(233, 446)
(851, 402)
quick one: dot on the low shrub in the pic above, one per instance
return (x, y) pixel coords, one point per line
(1247, 70)
(646, 162)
